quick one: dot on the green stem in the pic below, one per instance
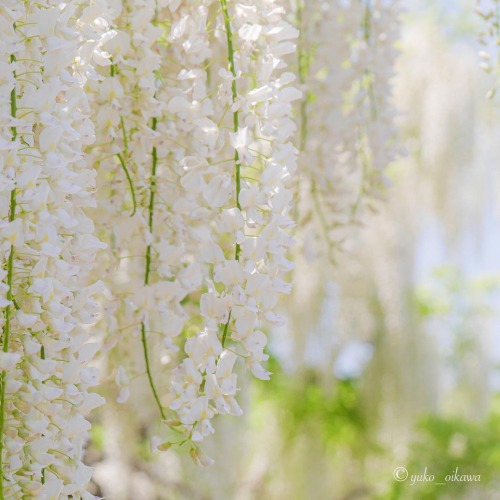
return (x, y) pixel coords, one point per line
(152, 192)
(226, 327)
(234, 91)
(148, 371)
(152, 189)
(8, 310)
(124, 133)
(130, 183)
(112, 72)
(237, 164)
(13, 103)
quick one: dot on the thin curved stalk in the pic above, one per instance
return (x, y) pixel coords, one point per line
(152, 190)
(237, 163)
(130, 183)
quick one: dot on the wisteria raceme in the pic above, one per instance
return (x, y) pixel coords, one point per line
(348, 135)
(246, 195)
(47, 248)
(209, 205)
(130, 200)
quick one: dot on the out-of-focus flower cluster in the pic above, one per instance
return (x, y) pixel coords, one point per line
(348, 136)
(489, 37)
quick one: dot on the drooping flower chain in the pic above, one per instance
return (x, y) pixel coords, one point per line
(47, 249)
(348, 134)
(197, 226)
(242, 196)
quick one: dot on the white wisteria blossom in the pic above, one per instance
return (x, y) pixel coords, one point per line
(236, 175)
(347, 118)
(47, 249)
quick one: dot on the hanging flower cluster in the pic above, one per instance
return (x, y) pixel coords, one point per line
(193, 196)
(132, 187)
(247, 196)
(47, 249)
(347, 129)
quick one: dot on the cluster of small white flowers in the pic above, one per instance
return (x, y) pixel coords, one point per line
(242, 195)
(147, 268)
(124, 109)
(350, 135)
(47, 248)
(205, 248)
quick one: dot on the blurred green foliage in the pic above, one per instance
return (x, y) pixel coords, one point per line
(333, 412)
(450, 292)
(444, 444)
(306, 404)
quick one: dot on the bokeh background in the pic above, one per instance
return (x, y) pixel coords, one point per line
(390, 358)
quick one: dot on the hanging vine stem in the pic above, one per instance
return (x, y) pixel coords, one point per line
(121, 156)
(8, 310)
(130, 183)
(152, 189)
(236, 118)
